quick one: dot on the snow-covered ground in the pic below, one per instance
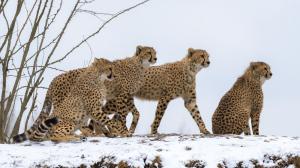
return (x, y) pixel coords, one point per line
(170, 151)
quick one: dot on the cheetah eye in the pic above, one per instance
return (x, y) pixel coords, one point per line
(266, 69)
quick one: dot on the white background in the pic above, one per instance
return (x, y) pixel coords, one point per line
(234, 33)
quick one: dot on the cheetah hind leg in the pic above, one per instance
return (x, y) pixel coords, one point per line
(68, 138)
(160, 110)
(65, 132)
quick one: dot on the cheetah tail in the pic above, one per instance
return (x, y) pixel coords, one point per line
(39, 134)
(44, 114)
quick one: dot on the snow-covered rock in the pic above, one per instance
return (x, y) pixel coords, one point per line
(171, 151)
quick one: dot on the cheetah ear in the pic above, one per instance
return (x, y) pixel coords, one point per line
(190, 52)
(253, 65)
(138, 49)
(100, 61)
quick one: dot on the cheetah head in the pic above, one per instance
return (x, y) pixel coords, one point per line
(146, 55)
(105, 68)
(198, 59)
(261, 70)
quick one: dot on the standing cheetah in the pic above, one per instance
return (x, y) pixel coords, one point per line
(167, 82)
(242, 102)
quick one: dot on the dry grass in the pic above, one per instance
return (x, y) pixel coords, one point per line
(110, 162)
(278, 161)
(195, 164)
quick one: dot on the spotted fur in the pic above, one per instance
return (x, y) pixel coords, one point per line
(167, 82)
(243, 102)
(85, 100)
(128, 79)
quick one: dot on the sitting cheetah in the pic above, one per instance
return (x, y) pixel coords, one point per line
(85, 99)
(242, 102)
(128, 76)
(167, 82)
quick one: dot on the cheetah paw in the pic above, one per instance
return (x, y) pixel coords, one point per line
(206, 132)
(83, 139)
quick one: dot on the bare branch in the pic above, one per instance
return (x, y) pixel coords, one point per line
(2, 5)
(99, 29)
(25, 57)
(47, 27)
(94, 12)
(38, 66)
(12, 25)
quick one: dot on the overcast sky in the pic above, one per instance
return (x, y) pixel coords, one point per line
(234, 33)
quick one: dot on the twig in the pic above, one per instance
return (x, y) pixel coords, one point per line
(99, 29)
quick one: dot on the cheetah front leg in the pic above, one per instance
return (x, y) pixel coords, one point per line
(129, 107)
(247, 130)
(161, 108)
(191, 106)
(101, 117)
(136, 116)
(122, 105)
(102, 120)
(255, 123)
(255, 116)
(118, 126)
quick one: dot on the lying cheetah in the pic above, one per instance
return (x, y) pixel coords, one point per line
(84, 101)
(128, 76)
(58, 90)
(242, 102)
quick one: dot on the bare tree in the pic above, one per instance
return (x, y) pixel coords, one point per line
(25, 57)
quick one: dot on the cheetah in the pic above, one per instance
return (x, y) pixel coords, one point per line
(167, 82)
(128, 77)
(84, 100)
(242, 102)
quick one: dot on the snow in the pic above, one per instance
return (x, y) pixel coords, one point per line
(174, 150)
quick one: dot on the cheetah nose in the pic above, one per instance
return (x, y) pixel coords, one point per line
(155, 59)
(271, 74)
(208, 62)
